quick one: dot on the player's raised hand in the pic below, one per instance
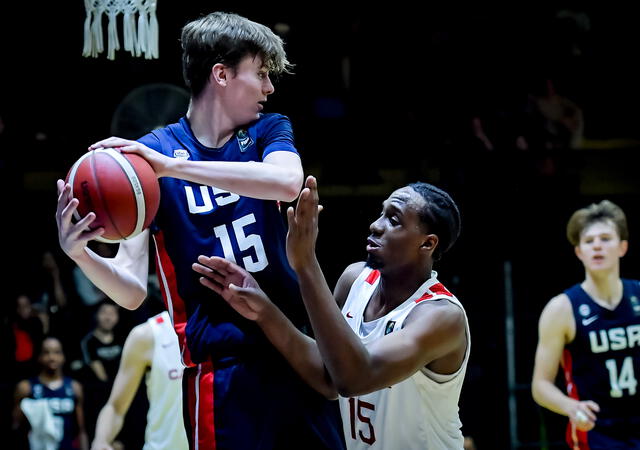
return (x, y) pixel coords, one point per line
(73, 237)
(303, 225)
(234, 284)
(158, 161)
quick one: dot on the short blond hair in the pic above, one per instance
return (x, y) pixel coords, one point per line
(597, 212)
(227, 38)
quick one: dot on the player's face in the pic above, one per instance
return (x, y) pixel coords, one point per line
(51, 356)
(248, 89)
(398, 234)
(600, 247)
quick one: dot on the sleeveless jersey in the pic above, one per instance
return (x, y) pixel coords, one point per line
(602, 363)
(62, 402)
(194, 219)
(420, 412)
(165, 427)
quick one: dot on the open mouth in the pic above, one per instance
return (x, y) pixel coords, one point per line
(372, 244)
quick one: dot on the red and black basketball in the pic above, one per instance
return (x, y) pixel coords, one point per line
(120, 188)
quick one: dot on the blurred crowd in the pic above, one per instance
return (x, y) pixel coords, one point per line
(59, 301)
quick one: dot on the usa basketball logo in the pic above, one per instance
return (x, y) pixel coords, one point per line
(181, 154)
(584, 310)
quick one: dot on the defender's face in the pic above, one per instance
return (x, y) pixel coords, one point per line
(600, 247)
(248, 89)
(51, 356)
(398, 234)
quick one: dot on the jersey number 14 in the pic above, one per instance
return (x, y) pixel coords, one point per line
(625, 379)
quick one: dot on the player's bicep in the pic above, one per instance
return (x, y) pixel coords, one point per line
(553, 328)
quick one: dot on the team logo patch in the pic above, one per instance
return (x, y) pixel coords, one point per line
(635, 304)
(244, 140)
(389, 327)
(180, 153)
(584, 310)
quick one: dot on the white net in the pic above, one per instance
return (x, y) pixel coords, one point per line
(140, 34)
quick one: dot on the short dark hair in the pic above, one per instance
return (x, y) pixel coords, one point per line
(227, 38)
(597, 212)
(440, 214)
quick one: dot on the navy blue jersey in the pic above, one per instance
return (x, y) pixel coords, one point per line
(194, 219)
(602, 363)
(62, 402)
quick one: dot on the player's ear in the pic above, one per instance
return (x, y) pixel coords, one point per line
(624, 246)
(429, 243)
(219, 74)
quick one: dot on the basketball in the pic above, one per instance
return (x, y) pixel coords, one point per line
(120, 188)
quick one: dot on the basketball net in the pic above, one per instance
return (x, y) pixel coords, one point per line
(138, 42)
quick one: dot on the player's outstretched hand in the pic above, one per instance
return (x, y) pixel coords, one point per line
(583, 415)
(158, 161)
(303, 226)
(73, 237)
(234, 284)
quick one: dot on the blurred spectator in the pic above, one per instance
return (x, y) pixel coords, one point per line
(49, 406)
(101, 349)
(26, 333)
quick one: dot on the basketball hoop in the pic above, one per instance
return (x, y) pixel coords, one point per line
(138, 42)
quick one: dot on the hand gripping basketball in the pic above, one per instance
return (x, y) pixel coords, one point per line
(120, 188)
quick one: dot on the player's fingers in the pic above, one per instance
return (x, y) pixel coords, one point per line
(215, 287)
(593, 406)
(67, 212)
(221, 265)
(291, 218)
(111, 142)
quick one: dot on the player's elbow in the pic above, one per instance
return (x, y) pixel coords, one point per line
(291, 187)
(536, 391)
(134, 299)
(350, 388)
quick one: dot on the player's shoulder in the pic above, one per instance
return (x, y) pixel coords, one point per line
(346, 280)
(442, 312)
(557, 313)
(559, 304)
(141, 334)
(270, 122)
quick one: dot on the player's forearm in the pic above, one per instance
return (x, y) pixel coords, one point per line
(118, 283)
(548, 395)
(108, 426)
(344, 355)
(299, 350)
(250, 179)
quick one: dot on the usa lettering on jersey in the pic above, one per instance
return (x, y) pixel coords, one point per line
(617, 338)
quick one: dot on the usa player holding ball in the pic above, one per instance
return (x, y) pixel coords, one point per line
(223, 169)
(592, 330)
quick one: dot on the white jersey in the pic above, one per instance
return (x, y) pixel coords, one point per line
(420, 412)
(165, 427)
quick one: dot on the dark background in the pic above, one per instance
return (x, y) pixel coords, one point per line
(417, 80)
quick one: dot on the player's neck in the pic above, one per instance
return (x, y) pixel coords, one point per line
(604, 287)
(394, 290)
(209, 124)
